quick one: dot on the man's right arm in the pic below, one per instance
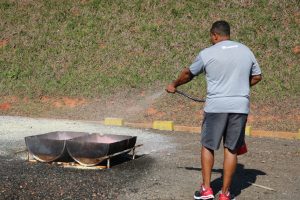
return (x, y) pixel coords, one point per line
(184, 77)
(255, 79)
(187, 74)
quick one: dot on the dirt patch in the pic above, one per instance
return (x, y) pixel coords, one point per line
(75, 11)
(154, 113)
(147, 106)
(296, 49)
(63, 102)
(5, 106)
(4, 42)
(297, 17)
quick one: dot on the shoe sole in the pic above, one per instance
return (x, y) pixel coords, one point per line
(232, 198)
(204, 198)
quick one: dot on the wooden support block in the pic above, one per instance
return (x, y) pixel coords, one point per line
(248, 130)
(163, 125)
(113, 121)
(74, 165)
(84, 167)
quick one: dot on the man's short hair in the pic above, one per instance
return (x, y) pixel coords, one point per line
(221, 28)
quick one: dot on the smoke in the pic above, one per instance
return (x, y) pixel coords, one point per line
(144, 102)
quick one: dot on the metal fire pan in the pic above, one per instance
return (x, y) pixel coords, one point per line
(92, 149)
(51, 146)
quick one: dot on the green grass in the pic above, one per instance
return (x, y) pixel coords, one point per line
(98, 47)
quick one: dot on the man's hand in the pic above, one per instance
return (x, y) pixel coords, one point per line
(171, 88)
(255, 79)
(184, 77)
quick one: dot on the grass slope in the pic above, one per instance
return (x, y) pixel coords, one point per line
(90, 48)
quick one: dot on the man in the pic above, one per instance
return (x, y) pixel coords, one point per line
(230, 69)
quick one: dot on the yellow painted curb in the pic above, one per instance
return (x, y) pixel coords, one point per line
(298, 135)
(113, 121)
(163, 125)
(273, 134)
(248, 130)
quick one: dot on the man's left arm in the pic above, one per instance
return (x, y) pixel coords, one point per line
(255, 79)
(255, 75)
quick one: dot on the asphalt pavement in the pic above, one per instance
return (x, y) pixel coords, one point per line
(167, 167)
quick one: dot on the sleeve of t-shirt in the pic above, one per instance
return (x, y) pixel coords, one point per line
(255, 69)
(198, 66)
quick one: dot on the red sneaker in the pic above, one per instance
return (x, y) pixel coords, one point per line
(204, 193)
(226, 196)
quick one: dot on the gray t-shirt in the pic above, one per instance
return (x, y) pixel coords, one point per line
(228, 66)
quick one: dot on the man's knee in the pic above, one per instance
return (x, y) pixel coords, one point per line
(208, 149)
(230, 150)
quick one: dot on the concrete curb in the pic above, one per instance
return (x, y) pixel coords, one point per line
(163, 125)
(169, 126)
(248, 130)
(273, 134)
(114, 121)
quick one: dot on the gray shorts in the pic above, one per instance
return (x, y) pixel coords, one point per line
(229, 126)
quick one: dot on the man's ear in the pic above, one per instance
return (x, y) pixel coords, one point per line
(215, 36)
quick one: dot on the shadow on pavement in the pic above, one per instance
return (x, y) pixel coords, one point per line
(242, 178)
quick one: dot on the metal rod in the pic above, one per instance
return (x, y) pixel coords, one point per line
(20, 151)
(30, 156)
(121, 152)
(261, 186)
(190, 97)
(127, 150)
(133, 153)
(108, 163)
